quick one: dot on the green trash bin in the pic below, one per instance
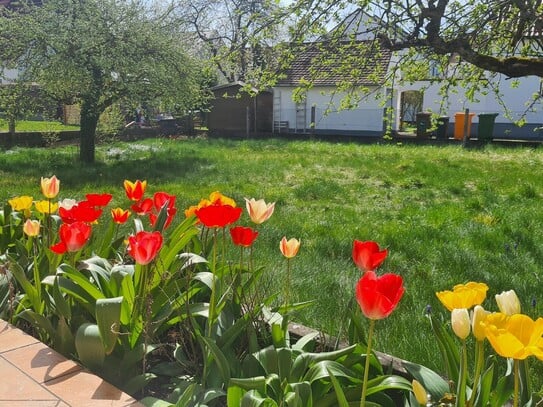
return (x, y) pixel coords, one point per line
(485, 129)
(423, 123)
(442, 127)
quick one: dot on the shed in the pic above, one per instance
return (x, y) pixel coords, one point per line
(235, 112)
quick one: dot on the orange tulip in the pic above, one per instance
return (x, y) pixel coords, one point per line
(50, 187)
(120, 215)
(135, 190)
(289, 248)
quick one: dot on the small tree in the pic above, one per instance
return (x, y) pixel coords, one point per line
(16, 100)
(96, 52)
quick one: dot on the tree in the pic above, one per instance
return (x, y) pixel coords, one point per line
(97, 53)
(234, 34)
(503, 36)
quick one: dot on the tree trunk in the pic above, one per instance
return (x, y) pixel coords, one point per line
(11, 132)
(87, 134)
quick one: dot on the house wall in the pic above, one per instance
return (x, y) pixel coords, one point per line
(366, 120)
(514, 97)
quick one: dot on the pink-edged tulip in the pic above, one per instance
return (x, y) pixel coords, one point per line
(259, 211)
(144, 246)
(50, 186)
(367, 255)
(289, 248)
(73, 237)
(31, 227)
(379, 296)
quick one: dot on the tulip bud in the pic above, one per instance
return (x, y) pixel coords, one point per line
(419, 392)
(477, 318)
(460, 322)
(508, 302)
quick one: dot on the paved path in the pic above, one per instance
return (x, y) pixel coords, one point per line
(34, 375)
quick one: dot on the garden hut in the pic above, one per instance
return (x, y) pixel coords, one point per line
(235, 112)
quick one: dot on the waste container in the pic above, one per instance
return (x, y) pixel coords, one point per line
(423, 123)
(442, 127)
(486, 126)
(459, 125)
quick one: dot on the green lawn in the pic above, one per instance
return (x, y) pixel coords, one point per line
(39, 126)
(447, 215)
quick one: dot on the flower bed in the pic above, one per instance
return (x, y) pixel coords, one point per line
(143, 296)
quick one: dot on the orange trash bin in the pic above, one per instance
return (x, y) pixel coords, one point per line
(459, 125)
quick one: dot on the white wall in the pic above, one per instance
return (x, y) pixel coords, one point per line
(328, 115)
(515, 98)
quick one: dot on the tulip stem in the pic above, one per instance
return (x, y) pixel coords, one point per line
(287, 284)
(516, 378)
(479, 361)
(462, 379)
(211, 316)
(367, 365)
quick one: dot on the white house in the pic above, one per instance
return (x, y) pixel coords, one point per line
(320, 110)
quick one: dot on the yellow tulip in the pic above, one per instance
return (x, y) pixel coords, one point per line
(259, 211)
(50, 186)
(289, 248)
(516, 336)
(46, 207)
(508, 302)
(460, 322)
(21, 203)
(419, 392)
(463, 295)
(477, 318)
(31, 227)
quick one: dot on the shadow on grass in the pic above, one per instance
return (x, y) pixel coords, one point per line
(157, 167)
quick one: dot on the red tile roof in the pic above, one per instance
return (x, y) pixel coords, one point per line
(329, 64)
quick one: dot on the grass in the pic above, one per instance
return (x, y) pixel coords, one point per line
(38, 126)
(447, 215)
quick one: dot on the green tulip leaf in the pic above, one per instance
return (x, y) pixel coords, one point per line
(341, 399)
(108, 314)
(433, 383)
(89, 347)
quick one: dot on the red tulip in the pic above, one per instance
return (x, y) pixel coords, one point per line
(83, 211)
(135, 190)
(367, 256)
(144, 246)
(218, 216)
(73, 237)
(379, 296)
(98, 199)
(143, 207)
(242, 236)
